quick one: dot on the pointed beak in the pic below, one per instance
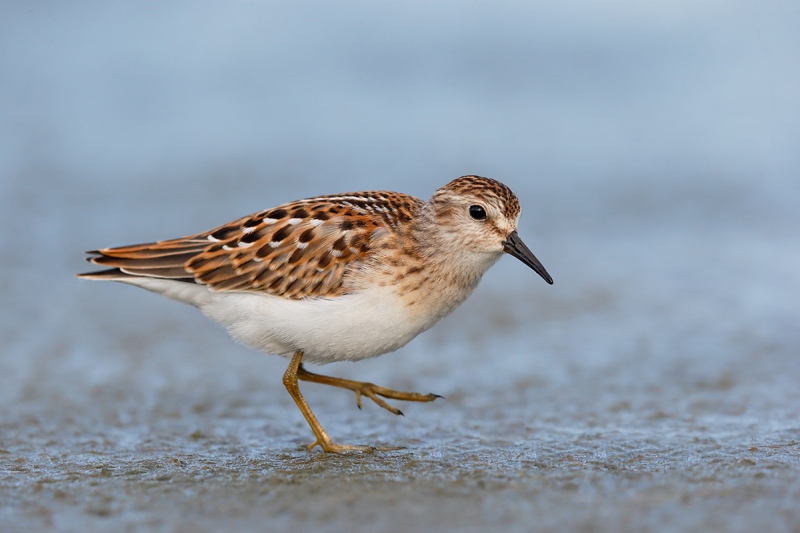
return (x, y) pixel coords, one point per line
(514, 246)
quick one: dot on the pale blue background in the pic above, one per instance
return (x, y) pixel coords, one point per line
(655, 149)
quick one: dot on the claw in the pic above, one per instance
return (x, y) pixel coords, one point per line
(343, 449)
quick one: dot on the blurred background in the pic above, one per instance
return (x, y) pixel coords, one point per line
(655, 150)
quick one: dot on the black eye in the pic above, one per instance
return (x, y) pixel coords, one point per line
(477, 212)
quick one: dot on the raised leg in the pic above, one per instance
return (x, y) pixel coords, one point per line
(323, 440)
(361, 388)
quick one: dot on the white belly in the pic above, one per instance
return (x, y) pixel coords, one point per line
(350, 327)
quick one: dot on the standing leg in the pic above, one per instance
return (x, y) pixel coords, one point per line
(324, 441)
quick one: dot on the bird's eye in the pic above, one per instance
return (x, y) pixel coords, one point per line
(477, 212)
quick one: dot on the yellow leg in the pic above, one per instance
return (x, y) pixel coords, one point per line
(323, 440)
(369, 390)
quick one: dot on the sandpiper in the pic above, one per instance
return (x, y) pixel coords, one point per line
(341, 277)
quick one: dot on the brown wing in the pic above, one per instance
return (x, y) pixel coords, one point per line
(301, 249)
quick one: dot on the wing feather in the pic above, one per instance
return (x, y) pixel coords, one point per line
(302, 249)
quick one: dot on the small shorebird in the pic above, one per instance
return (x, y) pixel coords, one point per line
(334, 278)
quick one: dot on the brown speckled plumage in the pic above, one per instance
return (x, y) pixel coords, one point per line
(302, 249)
